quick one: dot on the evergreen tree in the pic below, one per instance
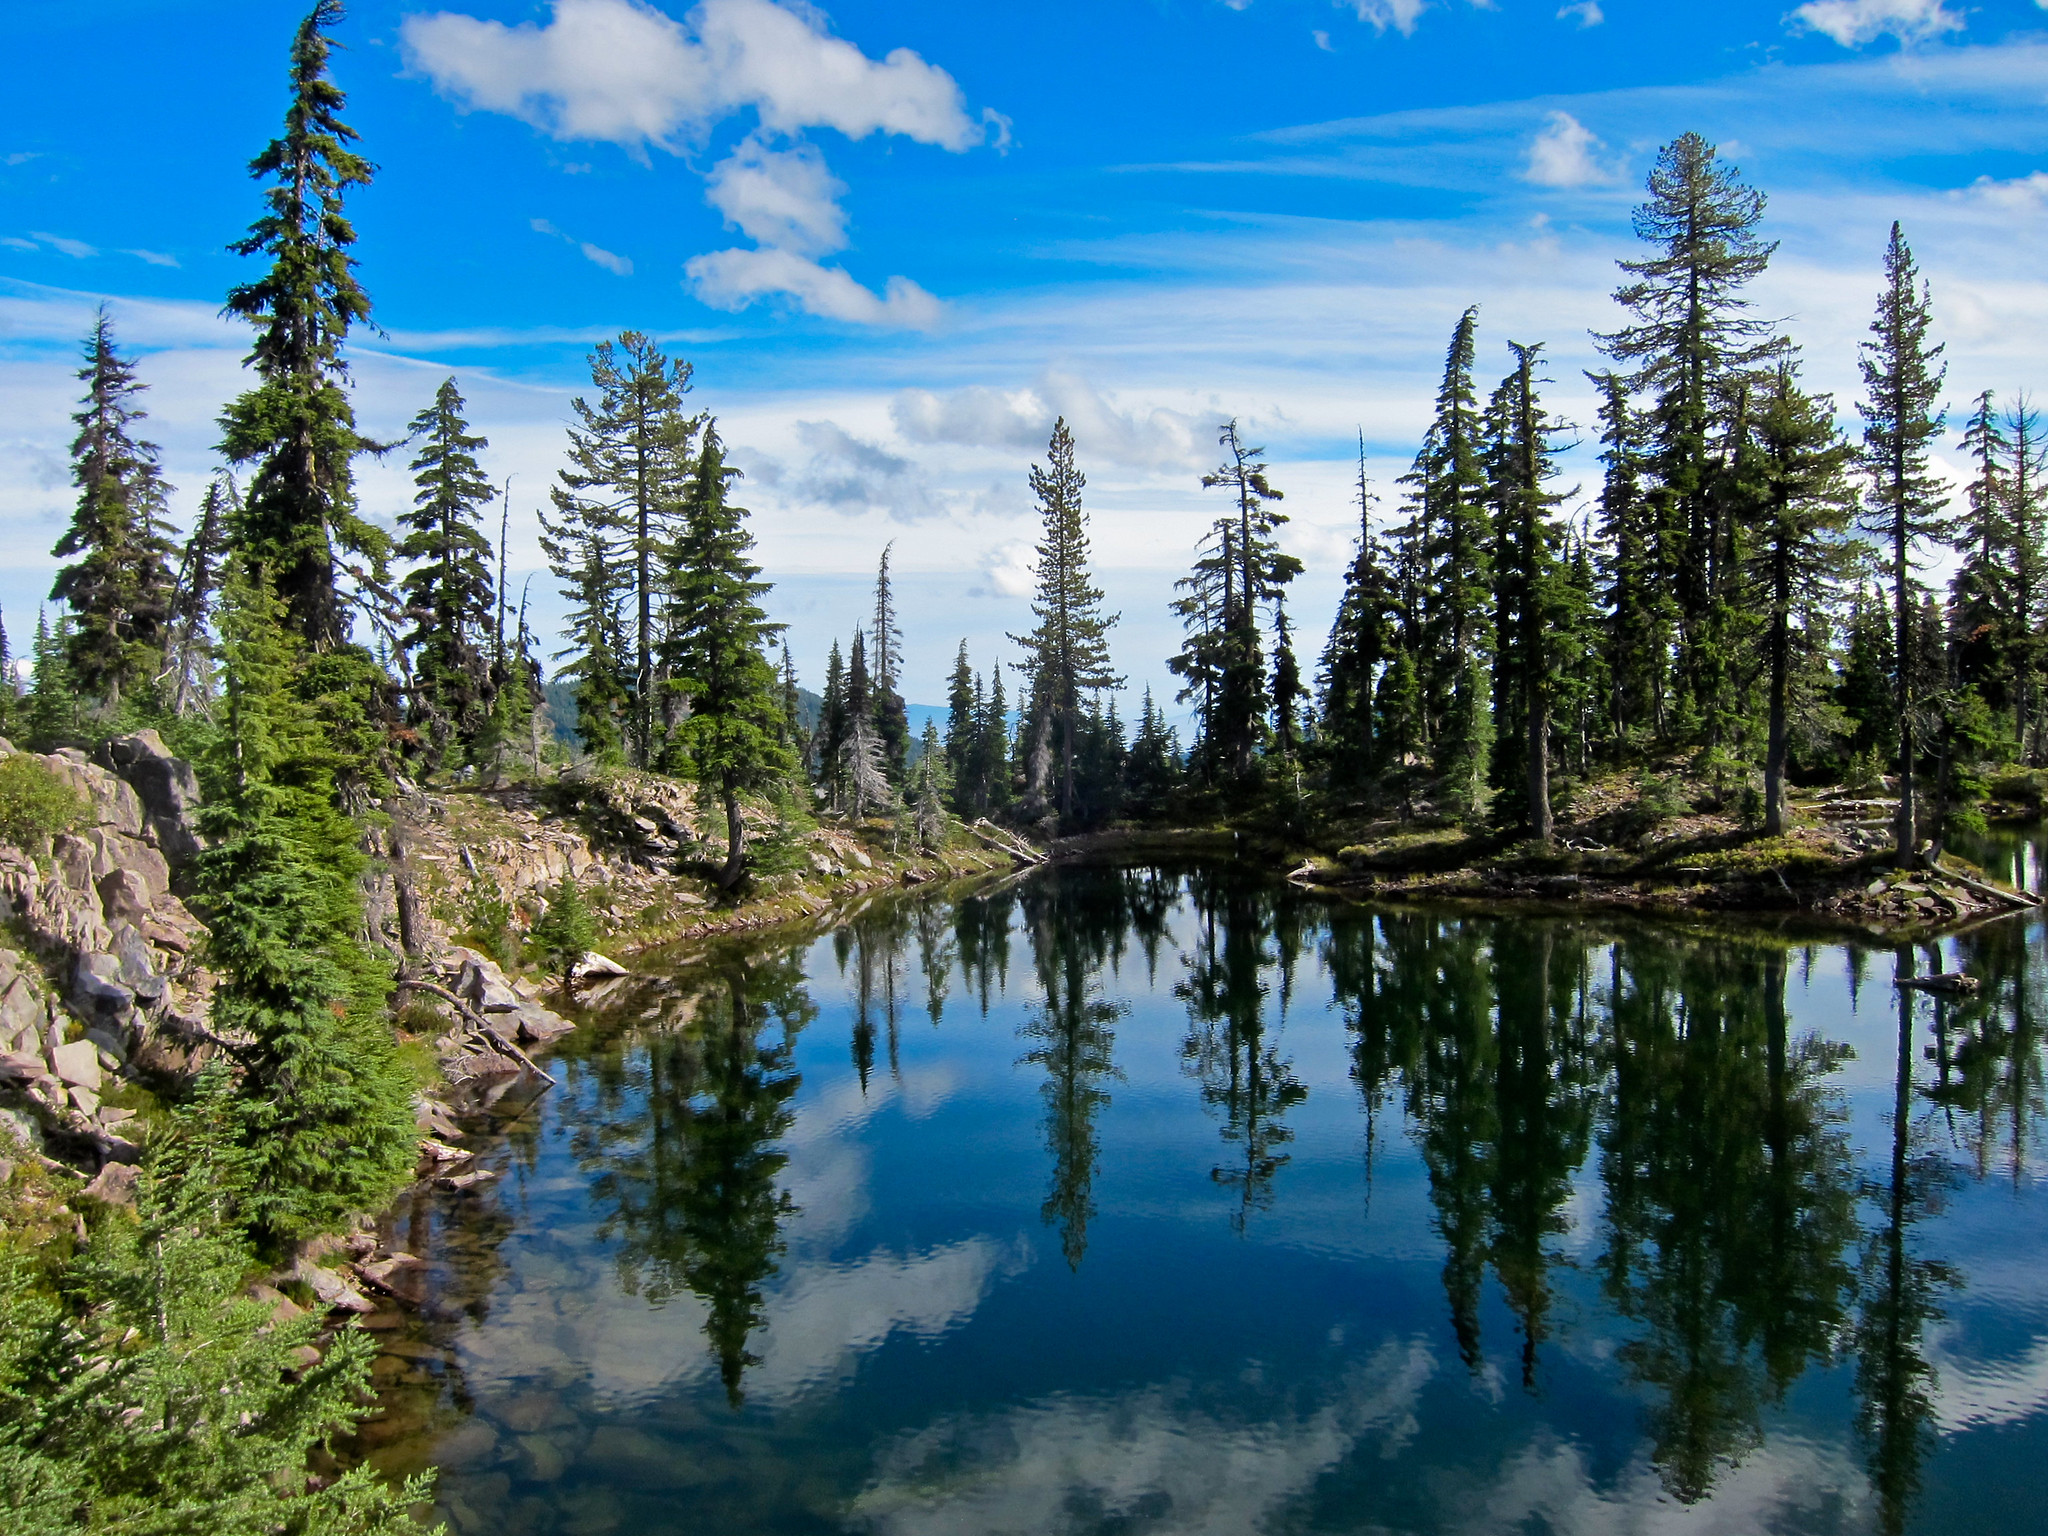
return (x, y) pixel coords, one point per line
(297, 426)
(1799, 504)
(1255, 571)
(1152, 772)
(885, 657)
(1068, 651)
(1360, 637)
(831, 737)
(582, 558)
(1454, 545)
(52, 712)
(733, 739)
(994, 767)
(2027, 462)
(794, 736)
(318, 1123)
(1534, 604)
(188, 649)
(449, 594)
(1207, 609)
(1638, 602)
(118, 586)
(1693, 335)
(1903, 504)
(629, 455)
(963, 722)
(1865, 694)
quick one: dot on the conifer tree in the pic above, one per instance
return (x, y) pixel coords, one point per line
(1360, 637)
(1904, 501)
(885, 658)
(188, 652)
(582, 558)
(1454, 541)
(117, 587)
(2027, 463)
(994, 768)
(1255, 571)
(629, 455)
(1207, 609)
(1692, 334)
(831, 738)
(52, 712)
(1866, 691)
(1638, 602)
(1798, 506)
(1068, 651)
(733, 739)
(1534, 605)
(963, 721)
(1153, 769)
(318, 1122)
(297, 426)
(794, 736)
(449, 593)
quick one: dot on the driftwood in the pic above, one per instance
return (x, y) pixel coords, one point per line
(1957, 983)
(478, 1025)
(1004, 842)
(2010, 898)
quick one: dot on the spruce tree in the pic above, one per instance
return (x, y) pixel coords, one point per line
(629, 455)
(962, 722)
(51, 714)
(582, 558)
(1255, 571)
(297, 426)
(1799, 504)
(2027, 463)
(885, 660)
(449, 593)
(187, 673)
(1904, 500)
(1454, 542)
(1692, 334)
(1207, 609)
(117, 586)
(831, 737)
(733, 739)
(1068, 651)
(1639, 610)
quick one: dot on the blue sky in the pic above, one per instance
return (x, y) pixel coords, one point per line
(896, 238)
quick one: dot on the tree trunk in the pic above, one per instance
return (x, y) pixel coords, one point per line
(1537, 706)
(1775, 746)
(735, 839)
(1903, 832)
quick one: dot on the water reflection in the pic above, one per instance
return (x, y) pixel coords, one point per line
(1694, 1216)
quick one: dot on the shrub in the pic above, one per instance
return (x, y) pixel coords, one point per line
(35, 805)
(564, 933)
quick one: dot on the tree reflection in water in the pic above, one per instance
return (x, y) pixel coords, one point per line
(685, 1174)
(1534, 1064)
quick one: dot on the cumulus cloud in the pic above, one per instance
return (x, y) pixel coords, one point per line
(780, 197)
(1586, 13)
(617, 265)
(1007, 570)
(1563, 155)
(2023, 194)
(985, 417)
(736, 278)
(1852, 23)
(623, 72)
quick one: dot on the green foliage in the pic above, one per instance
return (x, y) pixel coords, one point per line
(565, 930)
(35, 805)
(488, 921)
(316, 1123)
(142, 1394)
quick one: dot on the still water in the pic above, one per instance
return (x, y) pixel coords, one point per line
(1165, 1200)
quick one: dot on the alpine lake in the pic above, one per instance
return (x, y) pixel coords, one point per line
(1165, 1199)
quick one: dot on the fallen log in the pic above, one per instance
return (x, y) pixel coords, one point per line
(1952, 983)
(2013, 899)
(478, 1025)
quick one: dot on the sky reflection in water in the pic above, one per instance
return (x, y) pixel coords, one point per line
(1165, 1201)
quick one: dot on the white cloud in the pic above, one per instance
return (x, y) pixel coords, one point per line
(984, 417)
(59, 243)
(20, 157)
(1322, 41)
(624, 72)
(617, 265)
(1382, 14)
(154, 258)
(2023, 194)
(852, 475)
(1008, 570)
(780, 197)
(1586, 12)
(16, 243)
(736, 278)
(1852, 23)
(1562, 155)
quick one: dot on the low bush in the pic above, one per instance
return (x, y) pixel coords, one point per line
(35, 805)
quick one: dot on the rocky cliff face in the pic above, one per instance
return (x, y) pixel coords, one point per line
(106, 978)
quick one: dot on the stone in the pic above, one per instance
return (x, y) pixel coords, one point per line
(71, 863)
(138, 965)
(331, 1289)
(282, 1308)
(114, 1184)
(124, 897)
(457, 1183)
(594, 964)
(97, 990)
(21, 1011)
(10, 966)
(545, 1460)
(77, 1063)
(469, 1444)
(85, 1100)
(21, 1067)
(115, 803)
(538, 1025)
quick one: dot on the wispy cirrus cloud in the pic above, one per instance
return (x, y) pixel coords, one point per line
(611, 261)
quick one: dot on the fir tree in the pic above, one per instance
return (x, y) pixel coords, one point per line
(1692, 334)
(1903, 504)
(1255, 571)
(1360, 637)
(1454, 542)
(732, 740)
(188, 650)
(118, 586)
(1638, 602)
(885, 657)
(297, 426)
(1152, 772)
(52, 705)
(1798, 506)
(963, 721)
(1068, 651)
(832, 722)
(582, 558)
(628, 457)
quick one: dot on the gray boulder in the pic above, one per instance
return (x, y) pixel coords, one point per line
(168, 788)
(97, 990)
